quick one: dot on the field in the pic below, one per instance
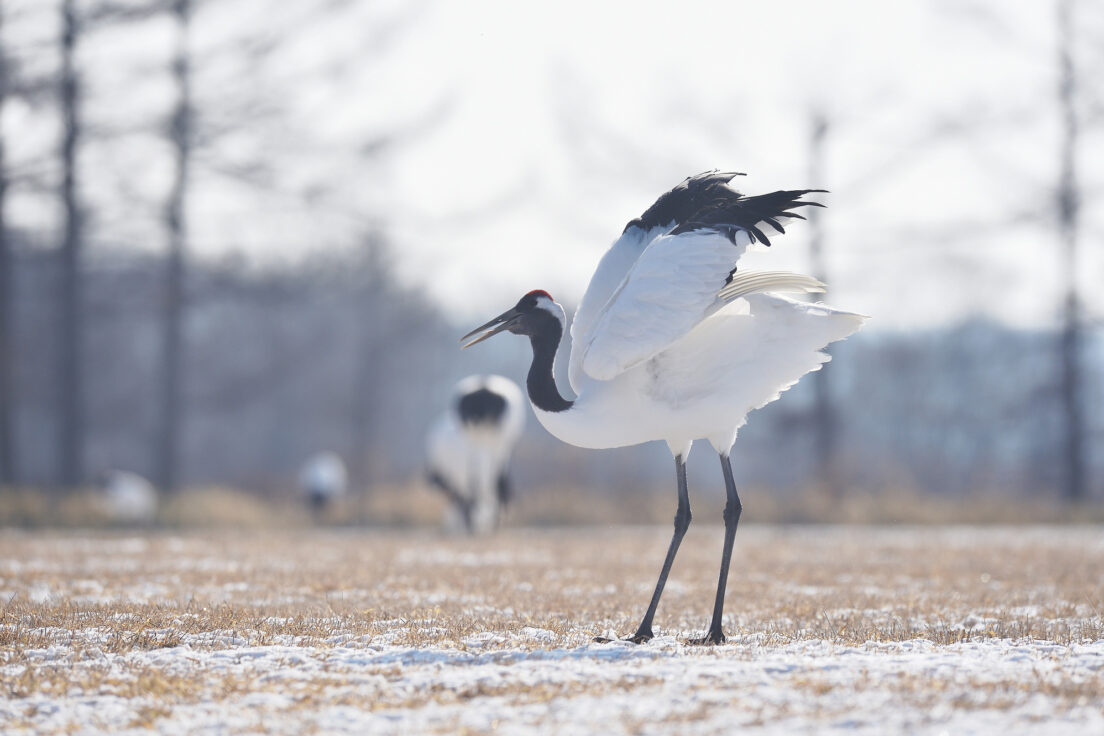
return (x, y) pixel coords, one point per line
(863, 630)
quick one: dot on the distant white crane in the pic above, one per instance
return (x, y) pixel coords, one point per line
(469, 448)
(322, 480)
(127, 497)
(673, 341)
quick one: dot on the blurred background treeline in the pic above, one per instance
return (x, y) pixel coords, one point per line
(232, 236)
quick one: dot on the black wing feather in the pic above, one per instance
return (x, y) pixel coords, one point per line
(705, 202)
(683, 202)
(754, 232)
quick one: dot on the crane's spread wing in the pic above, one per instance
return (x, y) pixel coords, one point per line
(664, 274)
(607, 278)
(673, 209)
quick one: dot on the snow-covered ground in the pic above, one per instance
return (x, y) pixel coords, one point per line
(488, 683)
(342, 633)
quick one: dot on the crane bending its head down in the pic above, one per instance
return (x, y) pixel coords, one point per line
(323, 480)
(469, 448)
(674, 341)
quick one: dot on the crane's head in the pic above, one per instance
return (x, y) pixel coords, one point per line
(535, 313)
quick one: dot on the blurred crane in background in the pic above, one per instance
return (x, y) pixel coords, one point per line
(127, 498)
(469, 449)
(323, 480)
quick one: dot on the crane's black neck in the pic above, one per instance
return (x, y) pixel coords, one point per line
(544, 335)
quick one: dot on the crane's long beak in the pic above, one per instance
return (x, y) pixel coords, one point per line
(492, 328)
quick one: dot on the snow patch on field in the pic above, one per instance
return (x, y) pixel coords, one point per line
(496, 680)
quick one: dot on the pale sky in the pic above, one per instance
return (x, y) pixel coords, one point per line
(530, 133)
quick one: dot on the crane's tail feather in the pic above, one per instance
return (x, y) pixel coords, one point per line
(754, 282)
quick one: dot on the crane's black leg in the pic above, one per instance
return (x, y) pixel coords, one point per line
(463, 505)
(731, 518)
(504, 488)
(682, 522)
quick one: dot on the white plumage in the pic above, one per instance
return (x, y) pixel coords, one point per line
(323, 479)
(673, 341)
(127, 497)
(469, 447)
(703, 385)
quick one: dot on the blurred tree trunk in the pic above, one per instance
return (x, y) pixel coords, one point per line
(7, 393)
(70, 297)
(368, 359)
(1073, 486)
(172, 418)
(824, 416)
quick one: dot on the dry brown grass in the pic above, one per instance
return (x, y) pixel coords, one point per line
(107, 598)
(895, 505)
(846, 584)
(415, 505)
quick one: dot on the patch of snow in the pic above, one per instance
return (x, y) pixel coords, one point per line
(664, 686)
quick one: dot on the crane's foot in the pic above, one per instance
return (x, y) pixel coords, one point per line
(638, 638)
(711, 639)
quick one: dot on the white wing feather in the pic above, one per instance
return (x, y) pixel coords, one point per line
(607, 279)
(756, 282)
(672, 286)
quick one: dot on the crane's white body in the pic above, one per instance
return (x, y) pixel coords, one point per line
(471, 457)
(128, 498)
(705, 384)
(661, 352)
(323, 479)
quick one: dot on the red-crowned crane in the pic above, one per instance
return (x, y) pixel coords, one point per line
(323, 480)
(127, 498)
(469, 448)
(674, 341)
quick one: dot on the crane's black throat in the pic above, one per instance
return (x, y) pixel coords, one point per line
(545, 331)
